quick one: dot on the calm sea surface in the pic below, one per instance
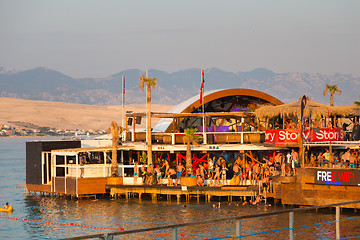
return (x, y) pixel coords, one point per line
(132, 214)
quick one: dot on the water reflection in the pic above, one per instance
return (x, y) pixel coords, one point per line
(130, 214)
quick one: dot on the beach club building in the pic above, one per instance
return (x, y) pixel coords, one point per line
(228, 121)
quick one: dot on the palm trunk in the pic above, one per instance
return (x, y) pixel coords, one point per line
(189, 169)
(331, 100)
(148, 125)
(114, 163)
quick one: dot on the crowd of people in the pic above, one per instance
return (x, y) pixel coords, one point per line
(339, 159)
(217, 172)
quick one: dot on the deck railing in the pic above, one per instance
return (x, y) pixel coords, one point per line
(212, 137)
(238, 235)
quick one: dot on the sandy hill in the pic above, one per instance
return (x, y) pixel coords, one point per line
(66, 115)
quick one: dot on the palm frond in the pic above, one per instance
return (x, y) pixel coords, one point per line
(142, 82)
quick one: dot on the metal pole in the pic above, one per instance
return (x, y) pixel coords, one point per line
(203, 120)
(174, 233)
(238, 229)
(337, 222)
(291, 225)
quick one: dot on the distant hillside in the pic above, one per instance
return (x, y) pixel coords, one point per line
(66, 115)
(49, 85)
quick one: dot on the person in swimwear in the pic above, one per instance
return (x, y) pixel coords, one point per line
(217, 175)
(158, 174)
(167, 166)
(172, 177)
(211, 168)
(237, 173)
(6, 206)
(136, 172)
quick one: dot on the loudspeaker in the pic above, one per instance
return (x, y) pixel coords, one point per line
(129, 121)
(138, 120)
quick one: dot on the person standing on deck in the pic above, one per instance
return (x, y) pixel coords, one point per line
(143, 173)
(223, 173)
(82, 163)
(172, 177)
(167, 166)
(179, 170)
(237, 174)
(320, 159)
(283, 168)
(294, 160)
(326, 156)
(211, 168)
(277, 160)
(158, 174)
(346, 156)
(136, 171)
(202, 170)
(150, 174)
(217, 175)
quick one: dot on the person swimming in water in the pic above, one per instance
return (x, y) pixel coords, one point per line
(6, 206)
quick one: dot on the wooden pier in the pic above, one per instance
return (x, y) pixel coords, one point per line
(186, 193)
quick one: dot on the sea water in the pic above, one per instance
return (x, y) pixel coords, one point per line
(39, 217)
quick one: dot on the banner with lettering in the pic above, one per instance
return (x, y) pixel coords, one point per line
(312, 135)
(345, 177)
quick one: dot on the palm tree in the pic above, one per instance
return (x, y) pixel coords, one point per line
(332, 89)
(150, 83)
(190, 138)
(115, 130)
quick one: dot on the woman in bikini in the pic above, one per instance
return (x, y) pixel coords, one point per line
(217, 175)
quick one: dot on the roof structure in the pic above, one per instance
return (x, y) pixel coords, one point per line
(294, 109)
(221, 100)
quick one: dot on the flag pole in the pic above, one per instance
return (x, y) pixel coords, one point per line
(123, 124)
(203, 109)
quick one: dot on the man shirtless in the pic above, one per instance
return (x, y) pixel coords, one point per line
(352, 160)
(237, 174)
(180, 168)
(346, 156)
(202, 170)
(277, 160)
(294, 160)
(256, 170)
(172, 177)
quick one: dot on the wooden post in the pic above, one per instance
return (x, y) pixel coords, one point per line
(337, 222)
(173, 124)
(133, 122)
(331, 156)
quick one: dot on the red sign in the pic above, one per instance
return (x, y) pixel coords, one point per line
(292, 135)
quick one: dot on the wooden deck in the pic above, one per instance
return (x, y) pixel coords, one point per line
(302, 190)
(206, 193)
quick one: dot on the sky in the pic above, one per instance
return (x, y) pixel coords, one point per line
(88, 38)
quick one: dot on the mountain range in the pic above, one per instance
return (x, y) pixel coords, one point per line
(172, 88)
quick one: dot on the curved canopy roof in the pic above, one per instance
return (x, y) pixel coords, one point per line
(221, 100)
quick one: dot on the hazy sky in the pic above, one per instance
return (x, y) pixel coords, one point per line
(87, 38)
